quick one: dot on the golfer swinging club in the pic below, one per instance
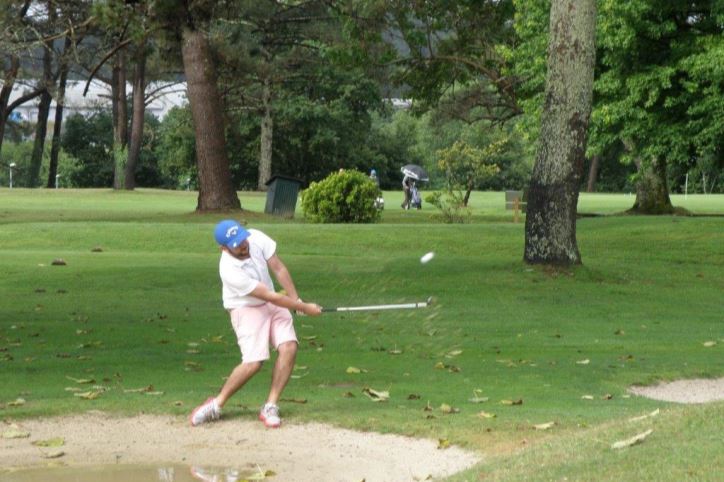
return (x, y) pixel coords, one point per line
(259, 315)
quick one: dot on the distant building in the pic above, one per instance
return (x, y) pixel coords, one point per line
(99, 96)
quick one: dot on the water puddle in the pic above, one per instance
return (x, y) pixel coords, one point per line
(128, 473)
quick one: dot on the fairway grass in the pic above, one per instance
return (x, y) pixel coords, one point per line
(136, 314)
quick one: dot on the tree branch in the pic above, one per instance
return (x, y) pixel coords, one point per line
(103, 61)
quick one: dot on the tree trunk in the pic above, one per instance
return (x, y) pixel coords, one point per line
(593, 173)
(120, 119)
(550, 225)
(216, 191)
(137, 118)
(7, 88)
(11, 74)
(59, 104)
(41, 129)
(267, 131)
(652, 193)
(468, 191)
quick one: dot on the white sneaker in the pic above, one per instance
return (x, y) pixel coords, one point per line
(206, 412)
(269, 414)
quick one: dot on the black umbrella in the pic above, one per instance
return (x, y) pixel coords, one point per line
(414, 171)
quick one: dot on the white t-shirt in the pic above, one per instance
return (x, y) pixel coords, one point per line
(240, 277)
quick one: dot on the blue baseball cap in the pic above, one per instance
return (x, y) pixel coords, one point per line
(230, 233)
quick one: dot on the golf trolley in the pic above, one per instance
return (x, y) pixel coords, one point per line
(413, 174)
(415, 198)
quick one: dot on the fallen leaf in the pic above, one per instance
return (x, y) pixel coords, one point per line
(348, 395)
(261, 474)
(73, 389)
(443, 444)
(453, 353)
(512, 402)
(636, 439)
(413, 396)
(52, 455)
(607, 396)
(642, 417)
(154, 393)
(483, 414)
(148, 388)
(587, 397)
(709, 344)
(16, 432)
(447, 409)
(376, 396)
(51, 442)
(477, 399)
(81, 381)
(17, 402)
(544, 426)
(92, 395)
(583, 362)
(352, 370)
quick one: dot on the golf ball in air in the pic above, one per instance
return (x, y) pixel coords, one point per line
(427, 257)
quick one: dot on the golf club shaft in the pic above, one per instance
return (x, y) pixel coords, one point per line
(401, 306)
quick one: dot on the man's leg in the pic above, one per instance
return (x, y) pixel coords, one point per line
(238, 378)
(283, 368)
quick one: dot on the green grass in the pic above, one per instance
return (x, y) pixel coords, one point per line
(146, 311)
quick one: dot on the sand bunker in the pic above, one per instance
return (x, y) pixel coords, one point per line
(298, 452)
(698, 390)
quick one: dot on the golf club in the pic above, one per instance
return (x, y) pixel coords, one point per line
(401, 306)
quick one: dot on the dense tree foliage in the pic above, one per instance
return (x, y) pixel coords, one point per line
(301, 88)
(658, 87)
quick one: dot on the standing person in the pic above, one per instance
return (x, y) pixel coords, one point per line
(407, 182)
(259, 315)
(374, 178)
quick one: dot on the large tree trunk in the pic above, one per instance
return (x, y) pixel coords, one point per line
(139, 111)
(59, 104)
(216, 191)
(267, 135)
(41, 129)
(593, 173)
(11, 74)
(120, 119)
(652, 193)
(550, 225)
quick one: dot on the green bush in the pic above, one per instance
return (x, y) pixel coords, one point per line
(341, 197)
(451, 205)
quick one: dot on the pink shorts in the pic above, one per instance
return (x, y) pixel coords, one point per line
(257, 327)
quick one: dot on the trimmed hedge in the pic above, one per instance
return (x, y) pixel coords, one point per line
(341, 197)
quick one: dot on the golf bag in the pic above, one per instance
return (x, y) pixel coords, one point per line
(415, 198)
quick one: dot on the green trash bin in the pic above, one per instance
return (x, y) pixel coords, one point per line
(281, 196)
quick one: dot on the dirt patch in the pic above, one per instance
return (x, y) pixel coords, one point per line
(698, 390)
(298, 452)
